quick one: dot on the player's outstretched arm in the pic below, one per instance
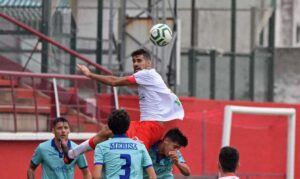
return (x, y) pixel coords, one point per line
(151, 173)
(106, 79)
(31, 171)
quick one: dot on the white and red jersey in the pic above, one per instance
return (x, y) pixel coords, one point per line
(229, 177)
(157, 101)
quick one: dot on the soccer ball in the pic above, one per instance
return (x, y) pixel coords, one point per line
(160, 34)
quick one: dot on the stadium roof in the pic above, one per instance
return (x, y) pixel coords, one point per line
(30, 3)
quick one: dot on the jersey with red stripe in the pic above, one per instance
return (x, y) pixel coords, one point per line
(157, 101)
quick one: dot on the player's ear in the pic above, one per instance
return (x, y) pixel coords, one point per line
(238, 165)
(219, 166)
(149, 63)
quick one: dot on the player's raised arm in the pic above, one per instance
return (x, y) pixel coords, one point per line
(106, 79)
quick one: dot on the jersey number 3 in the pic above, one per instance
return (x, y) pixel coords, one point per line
(126, 166)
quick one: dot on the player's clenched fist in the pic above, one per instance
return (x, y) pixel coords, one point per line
(173, 156)
(84, 70)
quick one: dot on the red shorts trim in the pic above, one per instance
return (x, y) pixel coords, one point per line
(148, 132)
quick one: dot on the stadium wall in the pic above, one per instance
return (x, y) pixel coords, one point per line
(261, 140)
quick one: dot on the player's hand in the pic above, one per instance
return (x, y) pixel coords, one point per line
(173, 156)
(84, 70)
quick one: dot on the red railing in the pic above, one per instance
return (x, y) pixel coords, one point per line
(14, 79)
(31, 95)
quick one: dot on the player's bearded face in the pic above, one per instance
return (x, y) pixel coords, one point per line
(61, 130)
(139, 62)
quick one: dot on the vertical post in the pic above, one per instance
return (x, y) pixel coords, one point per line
(252, 52)
(192, 72)
(270, 93)
(252, 75)
(56, 98)
(192, 52)
(35, 104)
(122, 32)
(110, 34)
(13, 98)
(99, 49)
(77, 106)
(227, 126)
(233, 38)
(291, 146)
(73, 44)
(46, 5)
(212, 80)
(261, 34)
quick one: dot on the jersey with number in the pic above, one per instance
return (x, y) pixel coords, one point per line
(53, 165)
(122, 157)
(157, 101)
(162, 165)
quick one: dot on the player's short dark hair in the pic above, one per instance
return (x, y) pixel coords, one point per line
(141, 51)
(59, 119)
(229, 159)
(119, 121)
(175, 135)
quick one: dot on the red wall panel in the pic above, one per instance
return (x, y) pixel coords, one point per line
(261, 140)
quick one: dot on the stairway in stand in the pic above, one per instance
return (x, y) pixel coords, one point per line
(24, 109)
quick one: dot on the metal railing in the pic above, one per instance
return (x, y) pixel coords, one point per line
(29, 102)
(28, 55)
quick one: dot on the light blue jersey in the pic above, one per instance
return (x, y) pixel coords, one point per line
(53, 165)
(122, 158)
(162, 165)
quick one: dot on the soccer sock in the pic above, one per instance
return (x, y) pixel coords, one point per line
(81, 148)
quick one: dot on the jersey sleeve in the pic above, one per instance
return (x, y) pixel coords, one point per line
(37, 156)
(146, 161)
(98, 156)
(131, 79)
(180, 157)
(144, 77)
(82, 162)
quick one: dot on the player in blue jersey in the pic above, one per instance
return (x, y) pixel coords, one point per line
(50, 155)
(121, 157)
(165, 154)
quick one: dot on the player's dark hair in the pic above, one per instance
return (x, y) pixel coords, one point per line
(118, 121)
(229, 159)
(59, 119)
(141, 51)
(175, 135)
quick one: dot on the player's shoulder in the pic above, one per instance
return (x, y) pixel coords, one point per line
(45, 144)
(137, 142)
(147, 72)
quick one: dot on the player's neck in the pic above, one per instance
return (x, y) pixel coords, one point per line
(160, 149)
(227, 174)
(58, 144)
